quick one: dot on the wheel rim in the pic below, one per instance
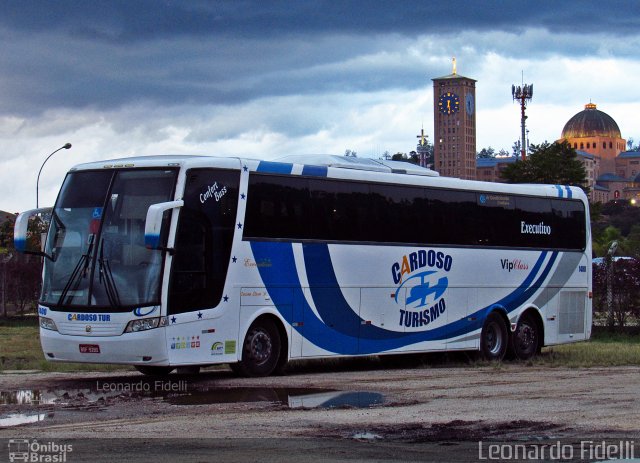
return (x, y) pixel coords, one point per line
(494, 339)
(526, 337)
(260, 347)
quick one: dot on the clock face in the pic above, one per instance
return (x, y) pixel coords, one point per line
(448, 103)
(468, 104)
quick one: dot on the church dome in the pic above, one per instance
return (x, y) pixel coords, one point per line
(591, 123)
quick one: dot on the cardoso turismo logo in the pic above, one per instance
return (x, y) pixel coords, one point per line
(422, 275)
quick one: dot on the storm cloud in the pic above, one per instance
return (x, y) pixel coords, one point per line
(270, 78)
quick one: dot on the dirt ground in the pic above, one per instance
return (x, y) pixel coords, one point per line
(324, 413)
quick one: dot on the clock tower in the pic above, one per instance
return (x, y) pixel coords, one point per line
(454, 144)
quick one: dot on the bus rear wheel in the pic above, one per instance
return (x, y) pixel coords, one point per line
(260, 350)
(494, 338)
(525, 341)
(153, 371)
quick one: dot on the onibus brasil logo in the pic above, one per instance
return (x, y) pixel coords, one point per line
(421, 273)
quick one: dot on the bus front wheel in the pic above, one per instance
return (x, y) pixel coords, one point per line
(260, 350)
(494, 338)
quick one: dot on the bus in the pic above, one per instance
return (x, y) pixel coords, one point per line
(166, 262)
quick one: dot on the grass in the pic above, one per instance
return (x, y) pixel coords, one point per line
(601, 350)
(20, 350)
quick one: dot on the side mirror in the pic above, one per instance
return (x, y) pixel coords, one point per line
(21, 231)
(153, 223)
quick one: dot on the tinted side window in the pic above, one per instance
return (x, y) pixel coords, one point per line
(450, 216)
(397, 214)
(302, 208)
(534, 229)
(339, 210)
(569, 221)
(495, 220)
(278, 207)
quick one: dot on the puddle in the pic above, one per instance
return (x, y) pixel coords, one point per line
(289, 397)
(337, 400)
(26, 397)
(16, 419)
(366, 436)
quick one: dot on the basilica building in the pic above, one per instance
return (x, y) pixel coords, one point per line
(612, 172)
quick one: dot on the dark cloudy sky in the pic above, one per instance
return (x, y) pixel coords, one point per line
(270, 78)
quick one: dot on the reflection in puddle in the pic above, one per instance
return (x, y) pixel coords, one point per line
(16, 419)
(87, 398)
(25, 397)
(337, 400)
(290, 397)
(38, 397)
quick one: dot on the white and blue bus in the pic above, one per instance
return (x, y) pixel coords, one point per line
(168, 262)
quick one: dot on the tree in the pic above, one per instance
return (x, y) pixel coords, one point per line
(625, 291)
(485, 153)
(602, 241)
(427, 151)
(19, 273)
(555, 164)
(516, 149)
(350, 153)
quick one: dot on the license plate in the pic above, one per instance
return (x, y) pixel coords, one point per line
(89, 349)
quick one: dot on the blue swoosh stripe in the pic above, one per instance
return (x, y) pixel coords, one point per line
(346, 329)
(335, 310)
(569, 194)
(330, 303)
(559, 188)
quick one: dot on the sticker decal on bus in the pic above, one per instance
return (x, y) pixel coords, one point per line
(424, 302)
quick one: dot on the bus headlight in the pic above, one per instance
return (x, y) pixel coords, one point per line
(48, 324)
(143, 324)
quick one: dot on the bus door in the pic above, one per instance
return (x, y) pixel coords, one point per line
(199, 265)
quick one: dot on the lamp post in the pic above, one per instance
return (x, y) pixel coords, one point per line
(609, 259)
(66, 146)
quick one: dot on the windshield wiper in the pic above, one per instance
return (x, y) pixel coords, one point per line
(105, 273)
(79, 272)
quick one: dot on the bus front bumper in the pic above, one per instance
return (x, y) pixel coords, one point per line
(141, 348)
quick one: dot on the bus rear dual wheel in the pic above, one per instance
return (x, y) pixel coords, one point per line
(495, 341)
(526, 339)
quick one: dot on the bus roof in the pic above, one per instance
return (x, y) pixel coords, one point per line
(343, 167)
(347, 162)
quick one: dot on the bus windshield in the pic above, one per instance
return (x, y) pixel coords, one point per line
(96, 240)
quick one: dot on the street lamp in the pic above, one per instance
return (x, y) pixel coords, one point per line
(66, 146)
(610, 259)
